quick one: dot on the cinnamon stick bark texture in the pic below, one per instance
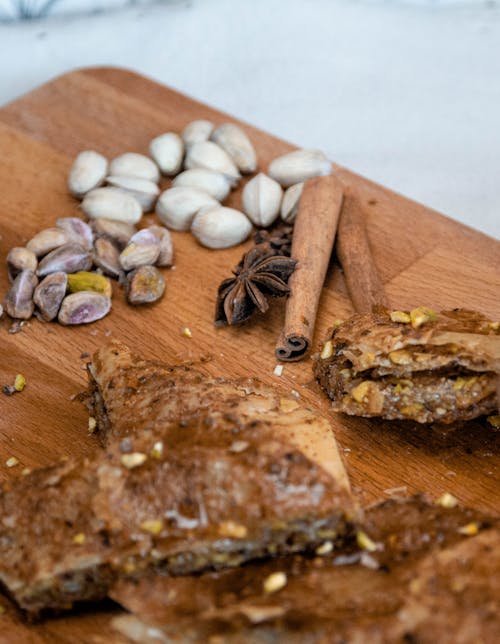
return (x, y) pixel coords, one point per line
(313, 238)
(353, 251)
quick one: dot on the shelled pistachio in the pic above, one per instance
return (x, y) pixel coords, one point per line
(168, 152)
(20, 259)
(235, 142)
(136, 165)
(88, 171)
(145, 285)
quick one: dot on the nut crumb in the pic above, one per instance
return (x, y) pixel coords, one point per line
(12, 461)
(26, 471)
(19, 382)
(92, 424)
(469, 530)
(135, 459)
(79, 539)
(153, 526)
(238, 446)
(186, 332)
(324, 549)
(327, 350)
(232, 530)
(156, 450)
(447, 500)
(494, 421)
(276, 581)
(278, 370)
(400, 316)
(364, 542)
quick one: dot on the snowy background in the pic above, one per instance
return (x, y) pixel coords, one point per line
(405, 92)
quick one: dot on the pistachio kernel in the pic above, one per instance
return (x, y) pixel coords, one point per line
(274, 582)
(400, 357)
(364, 541)
(327, 350)
(232, 529)
(156, 450)
(447, 500)
(324, 549)
(134, 459)
(360, 392)
(400, 316)
(469, 530)
(19, 382)
(79, 539)
(421, 315)
(153, 526)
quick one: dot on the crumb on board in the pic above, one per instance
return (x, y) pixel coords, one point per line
(186, 332)
(469, 530)
(12, 461)
(447, 500)
(278, 370)
(274, 582)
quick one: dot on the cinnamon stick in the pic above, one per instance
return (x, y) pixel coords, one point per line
(353, 251)
(312, 244)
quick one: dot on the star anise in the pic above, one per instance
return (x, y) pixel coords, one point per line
(261, 274)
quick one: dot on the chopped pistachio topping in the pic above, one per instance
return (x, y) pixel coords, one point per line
(239, 446)
(494, 421)
(12, 461)
(364, 541)
(324, 549)
(410, 410)
(327, 350)
(400, 316)
(276, 581)
(157, 450)
(447, 500)
(186, 332)
(421, 315)
(278, 370)
(400, 357)
(470, 529)
(19, 382)
(153, 526)
(134, 459)
(129, 567)
(360, 392)
(233, 530)
(79, 539)
(92, 424)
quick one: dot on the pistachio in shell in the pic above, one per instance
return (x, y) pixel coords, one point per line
(18, 302)
(83, 307)
(49, 295)
(145, 285)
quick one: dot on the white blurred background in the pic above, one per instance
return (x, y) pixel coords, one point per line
(405, 92)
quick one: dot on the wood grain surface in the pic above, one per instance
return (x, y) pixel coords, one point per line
(423, 258)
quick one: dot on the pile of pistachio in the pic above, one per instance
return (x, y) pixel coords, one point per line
(63, 272)
(205, 163)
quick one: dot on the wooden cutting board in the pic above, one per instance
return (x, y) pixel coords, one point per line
(423, 257)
